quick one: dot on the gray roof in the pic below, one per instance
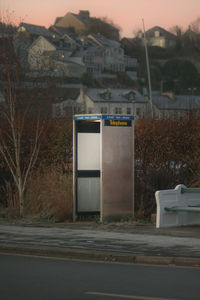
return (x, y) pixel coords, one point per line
(63, 31)
(85, 41)
(180, 102)
(116, 95)
(37, 30)
(104, 41)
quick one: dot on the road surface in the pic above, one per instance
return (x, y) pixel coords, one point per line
(35, 278)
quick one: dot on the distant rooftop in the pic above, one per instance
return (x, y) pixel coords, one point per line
(102, 40)
(115, 95)
(35, 29)
(179, 102)
(163, 32)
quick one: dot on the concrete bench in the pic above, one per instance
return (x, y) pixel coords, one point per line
(178, 207)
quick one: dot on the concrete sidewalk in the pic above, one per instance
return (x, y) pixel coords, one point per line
(112, 242)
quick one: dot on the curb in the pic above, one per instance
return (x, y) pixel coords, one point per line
(67, 253)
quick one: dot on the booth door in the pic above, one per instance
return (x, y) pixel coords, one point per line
(88, 172)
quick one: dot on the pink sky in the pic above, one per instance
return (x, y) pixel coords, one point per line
(128, 14)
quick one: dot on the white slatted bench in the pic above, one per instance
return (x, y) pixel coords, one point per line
(178, 207)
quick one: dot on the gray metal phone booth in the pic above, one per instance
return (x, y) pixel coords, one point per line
(103, 165)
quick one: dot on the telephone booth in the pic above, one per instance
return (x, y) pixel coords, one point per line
(103, 165)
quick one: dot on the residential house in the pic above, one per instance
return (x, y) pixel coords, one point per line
(43, 55)
(24, 37)
(112, 101)
(36, 53)
(34, 31)
(82, 23)
(93, 58)
(108, 56)
(160, 37)
(169, 105)
(64, 36)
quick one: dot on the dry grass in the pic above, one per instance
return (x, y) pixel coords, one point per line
(49, 195)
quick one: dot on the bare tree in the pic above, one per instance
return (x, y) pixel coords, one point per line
(21, 132)
(195, 26)
(22, 121)
(177, 30)
(137, 32)
(105, 27)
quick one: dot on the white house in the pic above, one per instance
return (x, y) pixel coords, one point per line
(43, 55)
(158, 36)
(112, 101)
(112, 53)
(36, 51)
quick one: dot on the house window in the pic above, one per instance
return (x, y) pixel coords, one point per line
(138, 111)
(162, 43)
(157, 33)
(118, 110)
(128, 110)
(104, 110)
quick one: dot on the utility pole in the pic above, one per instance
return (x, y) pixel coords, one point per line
(148, 70)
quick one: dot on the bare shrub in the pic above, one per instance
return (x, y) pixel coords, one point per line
(11, 207)
(166, 154)
(49, 195)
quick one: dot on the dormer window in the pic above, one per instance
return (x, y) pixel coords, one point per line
(157, 33)
(130, 95)
(106, 94)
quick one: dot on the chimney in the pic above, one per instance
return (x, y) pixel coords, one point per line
(84, 13)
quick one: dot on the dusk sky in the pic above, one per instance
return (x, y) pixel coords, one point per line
(128, 14)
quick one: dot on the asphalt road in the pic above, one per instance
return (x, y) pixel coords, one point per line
(26, 277)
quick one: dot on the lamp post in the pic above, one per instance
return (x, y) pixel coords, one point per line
(148, 70)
